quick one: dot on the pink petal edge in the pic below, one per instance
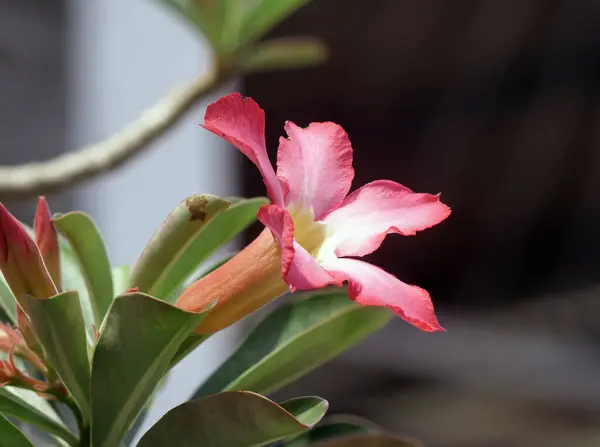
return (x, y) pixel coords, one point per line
(316, 164)
(369, 285)
(241, 121)
(368, 214)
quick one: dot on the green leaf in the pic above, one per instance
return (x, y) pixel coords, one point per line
(159, 270)
(206, 15)
(265, 15)
(295, 339)
(193, 248)
(59, 325)
(7, 300)
(138, 339)
(120, 275)
(368, 440)
(11, 436)
(234, 419)
(29, 407)
(73, 279)
(332, 428)
(86, 241)
(284, 53)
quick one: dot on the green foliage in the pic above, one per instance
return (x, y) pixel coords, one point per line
(87, 244)
(161, 268)
(234, 419)
(293, 340)
(59, 325)
(33, 409)
(332, 428)
(11, 435)
(234, 27)
(107, 355)
(182, 244)
(138, 339)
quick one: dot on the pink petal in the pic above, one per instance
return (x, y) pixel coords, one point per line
(369, 285)
(366, 216)
(241, 121)
(300, 270)
(316, 165)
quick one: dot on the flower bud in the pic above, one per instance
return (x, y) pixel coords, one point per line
(248, 281)
(47, 240)
(20, 260)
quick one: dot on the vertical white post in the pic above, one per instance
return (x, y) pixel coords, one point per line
(124, 55)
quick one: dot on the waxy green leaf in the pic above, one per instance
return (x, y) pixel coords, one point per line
(28, 407)
(159, 271)
(295, 339)
(234, 419)
(192, 242)
(11, 436)
(120, 276)
(59, 325)
(73, 279)
(332, 428)
(87, 244)
(138, 339)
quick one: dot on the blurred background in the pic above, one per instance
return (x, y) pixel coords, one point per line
(493, 103)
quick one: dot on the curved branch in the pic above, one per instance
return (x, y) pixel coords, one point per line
(41, 177)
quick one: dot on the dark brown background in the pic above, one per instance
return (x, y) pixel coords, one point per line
(495, 104)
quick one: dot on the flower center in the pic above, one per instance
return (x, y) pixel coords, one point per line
(307, 232)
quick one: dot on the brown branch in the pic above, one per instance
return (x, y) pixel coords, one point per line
(41, 177)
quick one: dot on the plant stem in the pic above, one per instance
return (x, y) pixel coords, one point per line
(40, 177)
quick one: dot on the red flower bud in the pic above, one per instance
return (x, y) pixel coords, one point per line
(47, 240)
(20, 260)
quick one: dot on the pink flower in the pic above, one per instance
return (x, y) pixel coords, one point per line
(317, 225)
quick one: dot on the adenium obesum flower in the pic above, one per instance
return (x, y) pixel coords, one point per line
(313, 226)
(21, 262)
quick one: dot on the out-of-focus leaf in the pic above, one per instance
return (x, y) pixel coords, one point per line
(120, 276)
(295, 339)
(11, 436)
(234, 419)
(59, 325)
(7, 300)
(368, 440)
(161, 267)
(265, 15)
(138, 339)
(29, 407)
(206, 15)
(88, 245)
(332, 428)
(284, 53)
(217, 231)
